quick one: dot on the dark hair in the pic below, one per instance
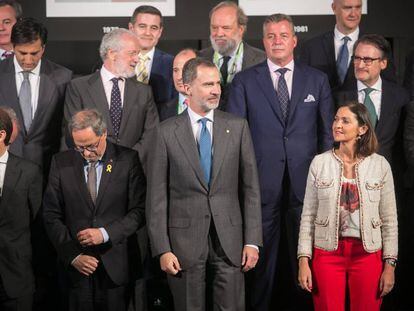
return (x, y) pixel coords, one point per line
(190, 68)
(277, 18)
(6, 125)
(146, 9)
(368, 143)
(28, 30)
(377, 41)
(15, 5)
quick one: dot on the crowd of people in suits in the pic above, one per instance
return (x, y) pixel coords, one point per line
(206, 170)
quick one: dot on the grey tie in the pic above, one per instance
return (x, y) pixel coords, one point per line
(283, 93)
(25, 99)
(92, 180)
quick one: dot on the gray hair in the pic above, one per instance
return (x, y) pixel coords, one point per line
(113, 41)
(277, 18)
(15, 5)
(190, 68)
(10, 111)
(241, 17)
(84, 119)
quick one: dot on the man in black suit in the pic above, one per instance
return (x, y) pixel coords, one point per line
(178, 104)
(385, 100)
(409, 74)
(127, 105)
(228, 51)
(10, 13)
(154, 66)
(93, 204)
(21, 197)
(331, 52)
(37, 100)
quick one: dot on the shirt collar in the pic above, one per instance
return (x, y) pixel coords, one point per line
(149, 54)
(4, 157)
(273, 67)
(194, 117)
(353, 35)
(106, 75)
(181, 98)
(18, 69)
(377, 85)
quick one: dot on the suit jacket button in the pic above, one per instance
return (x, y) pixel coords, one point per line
(285, 138)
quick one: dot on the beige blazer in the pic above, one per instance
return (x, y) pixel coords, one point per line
(319, 225)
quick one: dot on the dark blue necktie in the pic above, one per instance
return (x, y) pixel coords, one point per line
(115, 111)
(342, 61)
(283, 93)
(204, 149)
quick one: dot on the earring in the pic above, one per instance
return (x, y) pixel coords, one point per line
(358, 137)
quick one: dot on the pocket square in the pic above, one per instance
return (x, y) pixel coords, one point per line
(309, 99)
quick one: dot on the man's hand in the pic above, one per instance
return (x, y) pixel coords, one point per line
(250, 256)
(85, 264)
(169, 263)
(90, 237)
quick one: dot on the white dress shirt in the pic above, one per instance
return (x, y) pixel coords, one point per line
(3, 164)
(34, 79)
(106, 77)
(288, 75)
(338, 42)
(375, 95)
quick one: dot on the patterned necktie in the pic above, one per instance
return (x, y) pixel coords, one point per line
(7, 54)
(370, 107)
(224, 69)
(115, 111)
(25, 99)
(204, 149)
(283, 93)
(343, 58)
(91, 183)
(141, 69)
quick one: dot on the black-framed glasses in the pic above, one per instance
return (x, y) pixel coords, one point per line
(91, 148)
(367, 60)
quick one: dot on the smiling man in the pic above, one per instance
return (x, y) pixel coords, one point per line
(154, 66)
(127, 106)
(10, 13)
(228, 51)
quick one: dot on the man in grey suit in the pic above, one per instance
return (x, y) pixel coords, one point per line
(203, 201)
(127, 106)
(228, 51)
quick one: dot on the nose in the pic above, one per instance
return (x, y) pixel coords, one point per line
(216, 90)
(220, 32)
(361, 64)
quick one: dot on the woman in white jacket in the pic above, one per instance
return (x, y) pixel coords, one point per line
(349, 232)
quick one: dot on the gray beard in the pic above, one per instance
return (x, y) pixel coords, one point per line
(227, 49)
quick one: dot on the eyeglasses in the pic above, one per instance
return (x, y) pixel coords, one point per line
(367, 60)
(90, 148)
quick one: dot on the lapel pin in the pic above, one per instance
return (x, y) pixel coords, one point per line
(109, 168)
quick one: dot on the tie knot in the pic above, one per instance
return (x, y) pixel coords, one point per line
(226, 59)
(93, 164)
(203, 121)
(282, 71)
(346, 39)
(368, 90)
(115, 80)
(7, 54)
(26, 74)
(143, 58)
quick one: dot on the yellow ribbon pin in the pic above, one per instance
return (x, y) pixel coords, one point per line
(109, 168)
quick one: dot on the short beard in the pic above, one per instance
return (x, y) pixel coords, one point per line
(225, 50)
(206, 106)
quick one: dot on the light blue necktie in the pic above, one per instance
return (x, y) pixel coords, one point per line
(204, 148)
(342, 61)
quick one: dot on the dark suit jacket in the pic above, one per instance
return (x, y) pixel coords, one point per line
(319, 52)
(409, 74)
(180, 205)
(161, 80)
(307, 132)
(68, 209)
(251, 56)
(168, 109)
(389, 127)
(43, 138)
(139, 113)
(20, 202)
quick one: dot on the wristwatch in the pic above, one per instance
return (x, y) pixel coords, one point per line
(391, 261)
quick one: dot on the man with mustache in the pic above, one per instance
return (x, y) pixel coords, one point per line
(127, 105)
(228, 51)
(203, 202)
(289, 109)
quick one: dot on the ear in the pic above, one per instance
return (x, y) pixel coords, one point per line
(383, 64)
(187, 89)
(130, 26)
(362, 130)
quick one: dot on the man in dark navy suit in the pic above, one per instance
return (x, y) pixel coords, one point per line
(290, 112)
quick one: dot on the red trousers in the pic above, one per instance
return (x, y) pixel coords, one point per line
(349, 266)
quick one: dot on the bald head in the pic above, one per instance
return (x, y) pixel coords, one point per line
(348, 14)
(179, 61)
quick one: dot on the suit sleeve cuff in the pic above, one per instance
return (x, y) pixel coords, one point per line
(104, 235)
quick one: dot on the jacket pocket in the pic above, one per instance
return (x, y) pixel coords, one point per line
(374, 189)
(179, 223)
(324, 187)
(376, 230)
(321, 228)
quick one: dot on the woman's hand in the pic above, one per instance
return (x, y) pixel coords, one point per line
(387, 279)
(305, 274)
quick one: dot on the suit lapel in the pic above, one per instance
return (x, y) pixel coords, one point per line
(130, 96)
(329, 48)
(221, 135)
(79, 172)
(265, 82)
(185, 138)
(11, 176)
(156, 64)
(386, 109)
(298, 89)
(109, 166)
